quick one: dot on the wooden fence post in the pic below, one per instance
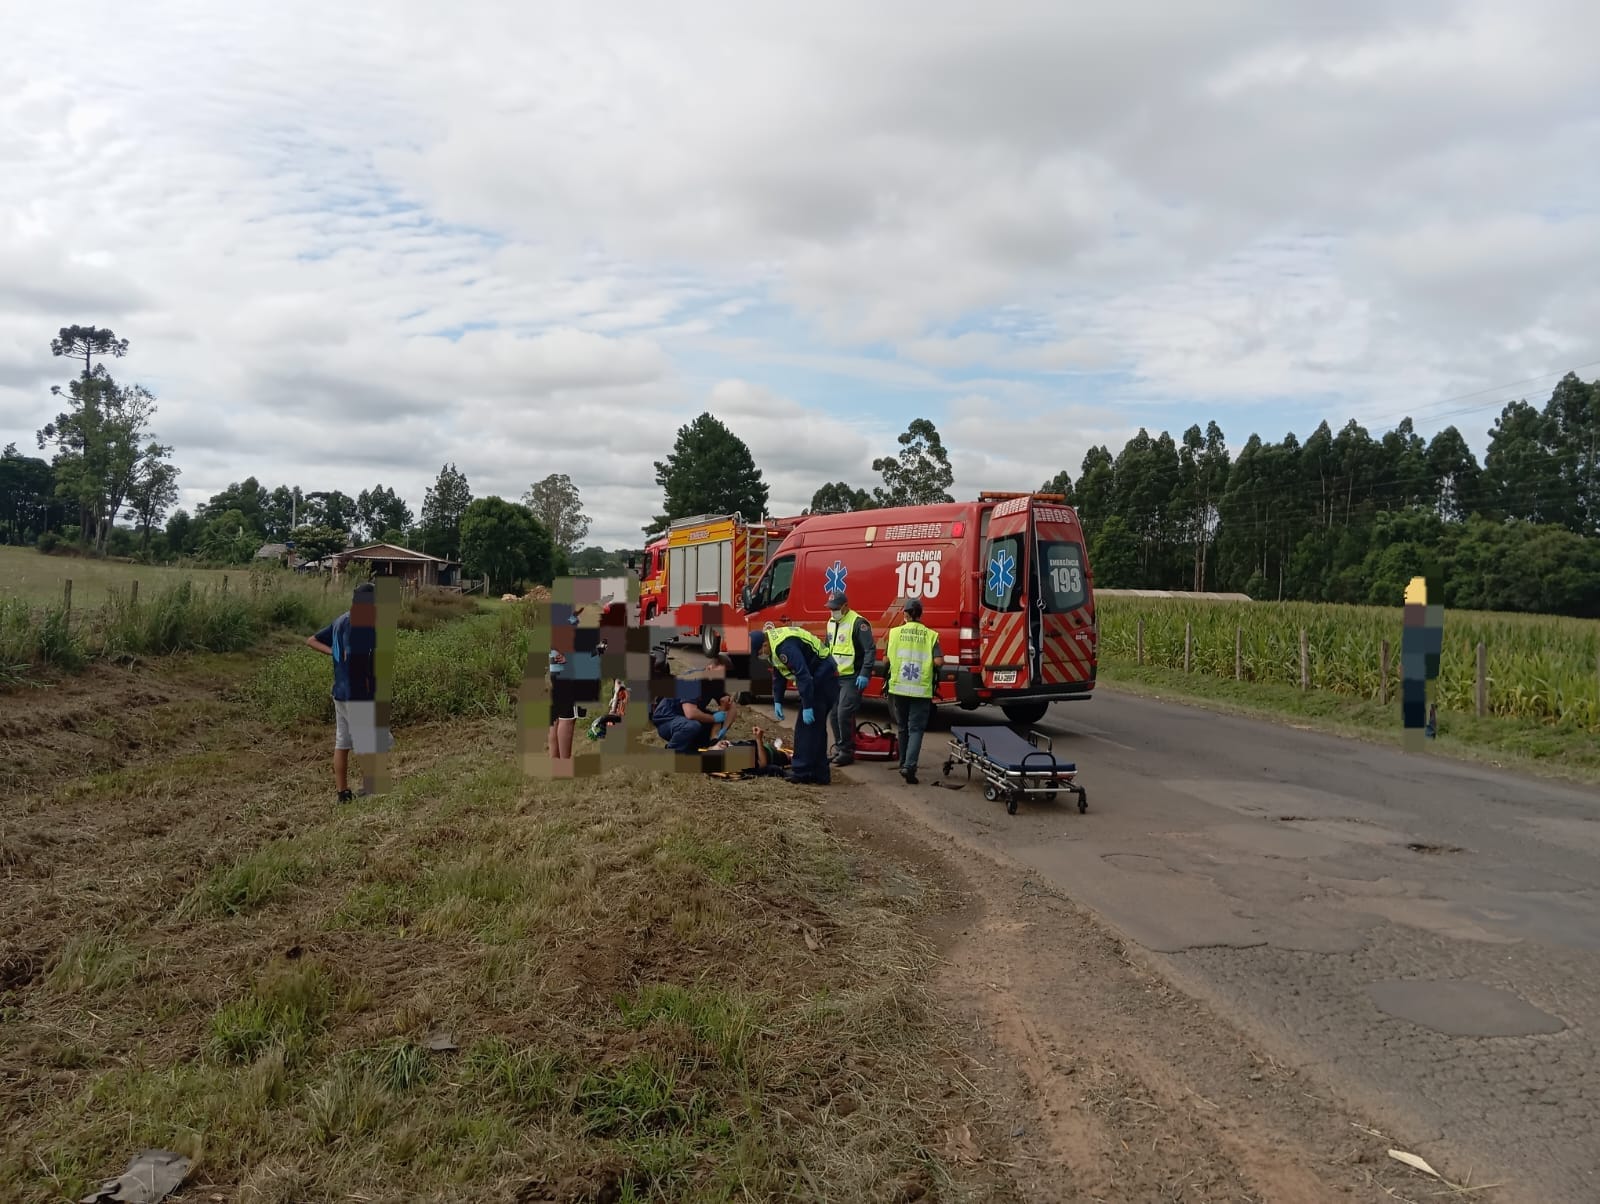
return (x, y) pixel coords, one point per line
(1139, 640)
(1383, 674)
(133, 592)
(1188, 645)
(1483, 679)
(66, 595)
(1238, 654)
(224, 583)
(1305, 661)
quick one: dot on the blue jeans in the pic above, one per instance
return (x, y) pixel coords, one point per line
(911, 717)
(683, 735)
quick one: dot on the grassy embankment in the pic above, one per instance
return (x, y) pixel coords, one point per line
(1543, 696)
(29, 574)
(174, 611)
(658, 988)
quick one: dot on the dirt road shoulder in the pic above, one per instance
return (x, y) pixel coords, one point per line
(1104, 1082)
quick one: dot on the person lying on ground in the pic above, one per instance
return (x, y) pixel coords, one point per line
(769, 754)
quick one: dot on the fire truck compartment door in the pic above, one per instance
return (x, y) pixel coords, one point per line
(700, 572)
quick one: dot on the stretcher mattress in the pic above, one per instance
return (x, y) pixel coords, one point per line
(1005, 749)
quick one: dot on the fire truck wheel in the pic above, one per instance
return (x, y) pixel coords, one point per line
(1025, 712)
(710, 641)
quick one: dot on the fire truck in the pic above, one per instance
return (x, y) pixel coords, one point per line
(702, 563)
(1005, 581)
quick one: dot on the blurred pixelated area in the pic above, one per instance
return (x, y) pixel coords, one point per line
(594, 673)
(382, 618)
(1421, 643)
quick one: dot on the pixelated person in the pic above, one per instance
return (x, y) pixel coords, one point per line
(1421, 643)
(574, 677)
(351, 641)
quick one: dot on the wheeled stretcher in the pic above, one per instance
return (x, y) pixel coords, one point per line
(1013, 765)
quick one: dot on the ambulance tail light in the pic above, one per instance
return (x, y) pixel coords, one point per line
(968, 641)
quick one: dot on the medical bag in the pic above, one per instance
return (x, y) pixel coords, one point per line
(875, 744)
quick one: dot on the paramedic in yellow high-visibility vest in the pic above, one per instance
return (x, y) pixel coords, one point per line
(849, 638)
(798, 657)
(913, 667)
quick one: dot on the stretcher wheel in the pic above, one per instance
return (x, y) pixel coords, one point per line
(1083, 801)
(947, 767)
(990, 793)
(1011, 804)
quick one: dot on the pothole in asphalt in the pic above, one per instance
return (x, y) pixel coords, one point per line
(1417, 846)
(1463, 1009)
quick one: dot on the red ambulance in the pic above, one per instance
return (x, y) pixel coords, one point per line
(1005, 581)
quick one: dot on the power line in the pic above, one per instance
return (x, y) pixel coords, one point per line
(1516, 384)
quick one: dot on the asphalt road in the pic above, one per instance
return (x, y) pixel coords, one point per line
(1421, 933)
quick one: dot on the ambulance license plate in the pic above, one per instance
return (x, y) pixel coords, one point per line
(1007, 677)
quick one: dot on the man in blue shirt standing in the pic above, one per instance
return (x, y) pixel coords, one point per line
(352, 641)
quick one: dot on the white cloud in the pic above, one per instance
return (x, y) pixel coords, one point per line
(528, 239)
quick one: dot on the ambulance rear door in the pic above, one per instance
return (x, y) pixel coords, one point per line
(1006, 646)
(1062, 600)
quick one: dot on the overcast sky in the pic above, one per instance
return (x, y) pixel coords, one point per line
(350, 242)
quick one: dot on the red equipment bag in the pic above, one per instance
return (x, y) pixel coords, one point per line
(875, 744)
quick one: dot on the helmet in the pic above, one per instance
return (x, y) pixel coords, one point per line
(837, 600)
(913, 608)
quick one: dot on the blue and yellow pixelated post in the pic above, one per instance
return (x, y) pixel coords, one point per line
(1421, 643)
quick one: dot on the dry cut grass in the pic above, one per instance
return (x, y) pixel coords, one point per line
(476, 988)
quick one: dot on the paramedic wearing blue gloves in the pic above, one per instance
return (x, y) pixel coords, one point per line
(798, 656)
(850, 641)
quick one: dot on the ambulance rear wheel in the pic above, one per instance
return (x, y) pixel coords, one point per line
(710, 641)
(1025, 712)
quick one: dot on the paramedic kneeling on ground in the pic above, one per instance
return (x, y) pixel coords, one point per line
(913, 661)
(686, 726)
(798, 656)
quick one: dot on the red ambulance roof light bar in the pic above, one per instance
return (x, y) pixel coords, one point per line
(991, 495)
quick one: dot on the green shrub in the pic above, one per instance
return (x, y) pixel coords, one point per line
(59, 645)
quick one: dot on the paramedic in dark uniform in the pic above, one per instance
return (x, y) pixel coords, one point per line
(798, 656)
(849, 639)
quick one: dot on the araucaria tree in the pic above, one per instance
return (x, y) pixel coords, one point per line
(100, 438)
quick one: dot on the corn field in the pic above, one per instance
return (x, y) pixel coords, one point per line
(1539, 667)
